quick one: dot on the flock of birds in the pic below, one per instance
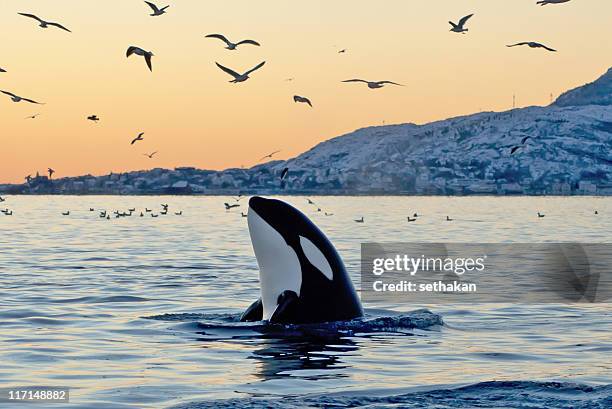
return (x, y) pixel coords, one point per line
(104, 214)
(238, 77)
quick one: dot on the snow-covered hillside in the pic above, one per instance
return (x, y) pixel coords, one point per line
(568, 150)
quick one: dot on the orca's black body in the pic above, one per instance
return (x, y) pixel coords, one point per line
(303, 278)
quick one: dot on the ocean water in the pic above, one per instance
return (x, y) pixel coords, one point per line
(142, 312)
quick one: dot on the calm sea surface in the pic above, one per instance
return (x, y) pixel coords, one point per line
(82, 303)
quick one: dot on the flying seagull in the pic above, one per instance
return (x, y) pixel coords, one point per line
(150, 155)
(269, 156)
(17, 98)
(545, 2)
(230, 45)
(2, 69)
(138, 138)
(239, 77)
(514, 149)
(532, 44)
(459, 27)
(51, 172)
(284, 173)
(32, 116)
(139, 51)
(343, 51)
(374, 84)
(297, 98)
(93, 118)
(43, 23)
(156, 10)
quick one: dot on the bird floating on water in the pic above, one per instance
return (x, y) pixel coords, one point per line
(448, 219)
(304, 100)
(138, 138)
(143, 53)
(460, 26)
(17, 98)
(156, 10)
(541, 215)
(362, 220)
(229, 44)
(230, 206)
(411, 220)
(2, 199)
(67, 213)
(239, 77)
(374, 84)
(43, 23)
(532, 44)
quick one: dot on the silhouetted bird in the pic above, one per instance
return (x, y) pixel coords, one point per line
(269, 155)
(156, 10)
(93, 118)
(374, 84)
(229, 44)
(138, 138)
(51, 172)
(460, 26)
(304, 100)
(150, 155)
(532, 44)
(43, 23)
(545, 2)
(143, 53)
(17, 98)
(230, 206)
(67, 213)
(362, 220)
(239, 77)
(284, 173)
(514, 149)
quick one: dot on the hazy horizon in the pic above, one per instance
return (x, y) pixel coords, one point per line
(194, 117)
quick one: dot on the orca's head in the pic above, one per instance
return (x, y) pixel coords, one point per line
(281, 236)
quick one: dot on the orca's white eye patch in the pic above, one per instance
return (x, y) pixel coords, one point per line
(316, 257)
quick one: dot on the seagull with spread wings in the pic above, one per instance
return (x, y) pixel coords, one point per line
(239, 77)
(269, 155)
(17, 98)
(545, 2)
(532, 44)
(2, 69)
(374, 84)
(143, 53)
(93, 118)
(150, 155)
(303, 100)
(43, 23)
(229, 44)
(156, 10)
(138, 138)
(460, 26)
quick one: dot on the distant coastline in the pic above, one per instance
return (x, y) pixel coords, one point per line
(263, 180)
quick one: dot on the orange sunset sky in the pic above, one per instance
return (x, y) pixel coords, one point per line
(194, 117)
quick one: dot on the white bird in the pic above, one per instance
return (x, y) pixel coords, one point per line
(239, 77)
(230, 45)
(17, 98)
(156, 10)
(304, 100)
(545, 2)
(532, 44)
(374, 84)
(43, 23)
(143, 53)
(459, 27)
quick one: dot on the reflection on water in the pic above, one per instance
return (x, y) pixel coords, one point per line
(76, 292)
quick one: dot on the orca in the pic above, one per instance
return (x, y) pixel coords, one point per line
(302, 277)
